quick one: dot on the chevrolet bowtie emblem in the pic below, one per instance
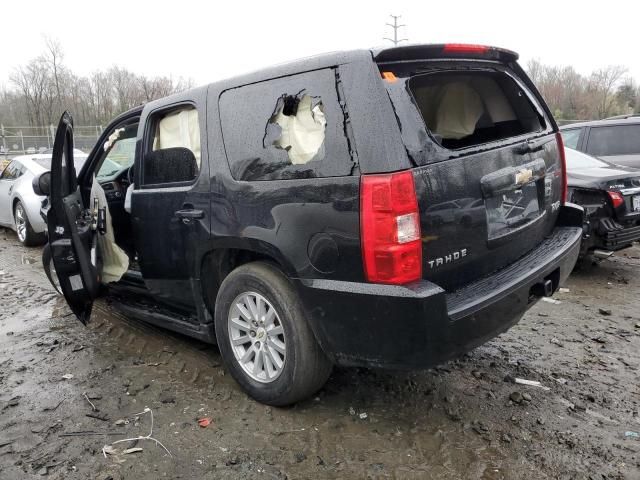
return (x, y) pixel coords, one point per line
(523, 176)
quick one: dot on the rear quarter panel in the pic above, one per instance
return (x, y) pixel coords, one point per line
(309, 225)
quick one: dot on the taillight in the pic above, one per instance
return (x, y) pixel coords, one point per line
(390, 228)
(464, 48)
(616, 199)
(563, 166)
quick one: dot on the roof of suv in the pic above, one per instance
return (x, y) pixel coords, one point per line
(627, 120)
(330, 59)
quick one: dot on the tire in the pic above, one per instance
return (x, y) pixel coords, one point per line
(304, 368)
(24, 230)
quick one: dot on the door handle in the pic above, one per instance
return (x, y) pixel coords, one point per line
(189, 214)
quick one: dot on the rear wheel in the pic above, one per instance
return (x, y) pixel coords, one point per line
(24, 230)
(264, 337)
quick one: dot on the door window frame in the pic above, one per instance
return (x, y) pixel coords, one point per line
(151, 122)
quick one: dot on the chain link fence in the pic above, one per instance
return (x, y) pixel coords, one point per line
(16, 141)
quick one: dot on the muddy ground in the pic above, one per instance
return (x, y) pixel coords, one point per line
(465, 419)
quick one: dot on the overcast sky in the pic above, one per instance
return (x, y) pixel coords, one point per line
(208, 40)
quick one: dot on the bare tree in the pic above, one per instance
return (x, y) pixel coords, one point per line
(627, 95)
(43, 87)
(571, 95)
(32, 80)
(603, 84)
(54, 56)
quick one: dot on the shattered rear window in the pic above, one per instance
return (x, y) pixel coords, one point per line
(441, 111)
(465, 109)
(286, 128)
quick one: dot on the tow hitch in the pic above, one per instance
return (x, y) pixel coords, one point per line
(542, 289)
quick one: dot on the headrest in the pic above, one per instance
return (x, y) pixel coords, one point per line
(459, 110)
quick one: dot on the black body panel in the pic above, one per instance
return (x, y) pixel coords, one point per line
(419, 325)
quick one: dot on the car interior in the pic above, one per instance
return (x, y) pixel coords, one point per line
(176, 133)
(114, 173)
(464, 109)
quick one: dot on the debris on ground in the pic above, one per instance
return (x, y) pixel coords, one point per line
(67, 376)
(531, 383)
(145, 437)
(93, 407)
(204, 422)
(604, 311)
(516, 397)
(131, 450)
(553, 301)
(557, 342)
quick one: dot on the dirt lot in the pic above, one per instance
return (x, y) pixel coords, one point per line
(466, 419)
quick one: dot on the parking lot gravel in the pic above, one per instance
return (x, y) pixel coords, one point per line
(67, 392)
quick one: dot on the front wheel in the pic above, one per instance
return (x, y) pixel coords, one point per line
(24, 230)
(264, 338)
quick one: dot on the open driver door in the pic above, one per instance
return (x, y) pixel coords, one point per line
(72, 228)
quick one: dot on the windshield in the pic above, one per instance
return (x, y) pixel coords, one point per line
(78, 162)
(109, 168)
(578, 160)
(119, 150)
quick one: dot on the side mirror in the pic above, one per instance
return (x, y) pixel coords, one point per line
(42, 184)
(169, 165)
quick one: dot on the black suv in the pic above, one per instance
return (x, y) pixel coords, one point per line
(292, 215)
(615, 139)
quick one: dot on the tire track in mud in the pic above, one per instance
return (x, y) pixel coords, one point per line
(456, 421)
(24, 274)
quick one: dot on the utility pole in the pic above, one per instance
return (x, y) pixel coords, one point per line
(395, 40)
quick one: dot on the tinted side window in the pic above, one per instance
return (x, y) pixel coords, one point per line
(571, 137)
(286, 128)
(614, 140)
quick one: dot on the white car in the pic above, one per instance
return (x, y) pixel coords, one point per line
(19, 205)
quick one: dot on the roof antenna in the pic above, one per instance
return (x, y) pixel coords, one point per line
(395, 40)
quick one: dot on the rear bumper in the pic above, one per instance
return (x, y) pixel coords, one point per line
(614, 236)
(420, 325)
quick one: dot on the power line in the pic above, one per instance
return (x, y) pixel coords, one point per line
(395, 40)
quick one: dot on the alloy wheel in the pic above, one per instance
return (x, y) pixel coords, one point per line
(21, 222)
(257, 337)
